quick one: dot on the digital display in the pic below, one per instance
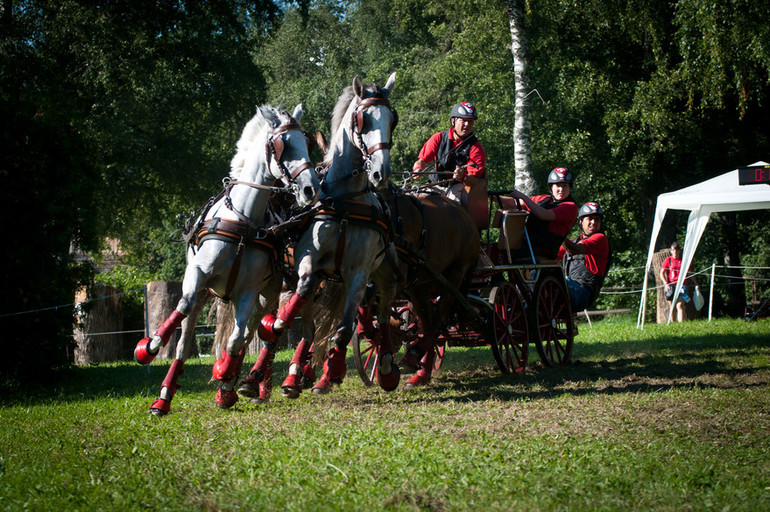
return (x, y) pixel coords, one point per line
(754, 174)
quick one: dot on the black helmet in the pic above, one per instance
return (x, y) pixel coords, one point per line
(590, 208)
(560, 175)
(464, 110)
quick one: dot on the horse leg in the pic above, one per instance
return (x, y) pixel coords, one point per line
(162, 405)
(148, 348)
(422, 377)
(271, 327)
(228, 368)
(292, 385)
(388, 374)
(258, 384)
(335, 366)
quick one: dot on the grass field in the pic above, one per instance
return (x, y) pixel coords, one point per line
(669, 418)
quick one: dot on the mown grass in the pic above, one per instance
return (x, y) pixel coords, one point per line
(669, 418)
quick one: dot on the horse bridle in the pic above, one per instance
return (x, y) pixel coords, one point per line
(357, 124)
(273, 149)
(275, 145)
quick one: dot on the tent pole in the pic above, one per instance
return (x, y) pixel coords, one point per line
(711, 290)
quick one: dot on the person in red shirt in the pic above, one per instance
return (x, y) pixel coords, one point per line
(456, 150)
(553, 215)
(669, 273)
(586, 258)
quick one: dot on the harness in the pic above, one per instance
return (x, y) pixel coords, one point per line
(244, 232)
(360, 213)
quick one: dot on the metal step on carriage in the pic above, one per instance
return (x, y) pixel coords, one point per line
(510, 303)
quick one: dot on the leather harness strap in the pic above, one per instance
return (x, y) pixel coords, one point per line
(236, 232)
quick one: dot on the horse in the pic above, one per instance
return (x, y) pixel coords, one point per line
(347, 237)
(438, 244)
(232, 254)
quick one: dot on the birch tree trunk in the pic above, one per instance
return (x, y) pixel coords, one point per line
(521, 124)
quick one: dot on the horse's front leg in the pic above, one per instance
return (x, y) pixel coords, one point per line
(162, 405)
(258, 384)
(335, 366)
(148, 348)
(227, 369)
(300, 371)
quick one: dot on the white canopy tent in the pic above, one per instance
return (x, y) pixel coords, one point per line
(719, 194)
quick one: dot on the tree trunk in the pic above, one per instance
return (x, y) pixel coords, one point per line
(521, 124)
(97, 333)
(162, 299)
(736, 287)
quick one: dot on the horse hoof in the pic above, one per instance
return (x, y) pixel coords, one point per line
(390, 381)
(266, 328)
(292, 386)
(142, 352)
(308, 377)
(226, 399)
(248, 388)
(410, 362)
(421, 378)
(324, 385)
(160, 407)
(290, 391)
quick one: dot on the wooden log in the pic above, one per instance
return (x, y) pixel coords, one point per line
(663, 305)
(161, 300)
(97, 333)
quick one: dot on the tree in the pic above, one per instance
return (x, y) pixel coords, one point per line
(522, 124)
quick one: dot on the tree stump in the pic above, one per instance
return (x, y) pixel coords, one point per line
(162, 299)
(663, 305)
(97, 334)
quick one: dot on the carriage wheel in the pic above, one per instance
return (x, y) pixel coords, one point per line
(366, 352)
(366, 355)
(553, 329)
(510, 345)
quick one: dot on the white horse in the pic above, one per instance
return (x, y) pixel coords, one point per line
(349, 235)
(233, 257)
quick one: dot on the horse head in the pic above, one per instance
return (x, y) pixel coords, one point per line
(373, 121)
(288, 154)
(362, 127)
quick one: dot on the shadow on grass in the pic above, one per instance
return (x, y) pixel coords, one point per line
(122, 380)
(713, 361)
(471, 374)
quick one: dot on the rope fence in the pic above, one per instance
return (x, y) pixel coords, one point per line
(605, 291)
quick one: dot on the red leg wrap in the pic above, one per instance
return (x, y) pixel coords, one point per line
(229, 366)
(169, 326)
(335, 369)
(251, 386)
(292, 385)
(162, 405)
(387, 381)
(291, 309)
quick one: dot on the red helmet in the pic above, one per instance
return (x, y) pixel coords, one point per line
(590, 208)
(464, 110)
(560, 175)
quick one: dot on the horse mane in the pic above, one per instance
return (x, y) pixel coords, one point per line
(270, 118)
(341, 108)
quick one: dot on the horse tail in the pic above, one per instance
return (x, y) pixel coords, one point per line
(327, 311)
(244, 145)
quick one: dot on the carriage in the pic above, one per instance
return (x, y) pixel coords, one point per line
(509, 304)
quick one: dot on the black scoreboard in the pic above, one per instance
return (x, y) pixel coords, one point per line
(754, 174)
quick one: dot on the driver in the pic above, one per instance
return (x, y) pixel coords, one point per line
(586, 258)
(456, 150)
